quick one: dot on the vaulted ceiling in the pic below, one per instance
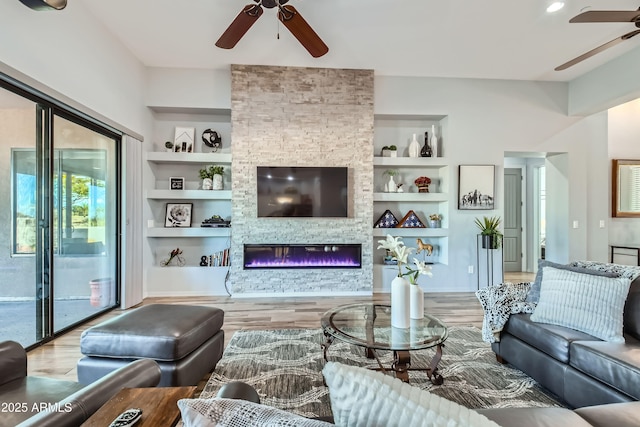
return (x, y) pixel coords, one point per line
(491, 39)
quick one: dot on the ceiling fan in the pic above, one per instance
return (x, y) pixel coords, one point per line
(604, 16)
(288, 15)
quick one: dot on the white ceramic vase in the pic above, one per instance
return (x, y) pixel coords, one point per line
(217, 183)
(207, 183)
(400, 303)
(434, 141)
(417, 302)
(414, 147)
(391, 186)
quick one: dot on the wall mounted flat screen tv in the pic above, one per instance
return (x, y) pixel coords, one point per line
(302, 191)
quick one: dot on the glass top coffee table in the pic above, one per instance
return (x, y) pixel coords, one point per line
(369, 326)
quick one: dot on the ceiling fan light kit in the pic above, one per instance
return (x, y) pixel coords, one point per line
(288, 15)
(45, 4)
(604, 16)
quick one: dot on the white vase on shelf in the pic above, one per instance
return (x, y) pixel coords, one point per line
(417, 302)
(434, 141)
(217, 183)
(414, 147)
(400, 303)
(391, 186)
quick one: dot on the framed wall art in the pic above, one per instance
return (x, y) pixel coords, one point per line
(476, 187)
(178, 215)
(184, 139)
(176, 183)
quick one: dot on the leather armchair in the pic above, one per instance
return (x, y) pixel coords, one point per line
(43, 402)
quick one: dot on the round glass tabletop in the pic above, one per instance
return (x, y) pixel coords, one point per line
(369, 325)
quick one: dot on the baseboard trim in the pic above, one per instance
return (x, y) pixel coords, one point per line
(301, 294)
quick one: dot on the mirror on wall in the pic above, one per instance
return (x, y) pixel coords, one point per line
(626, 188)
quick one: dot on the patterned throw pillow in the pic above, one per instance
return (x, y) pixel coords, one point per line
(584, 302)
(361, 397)
(239, 413)
(534, 293)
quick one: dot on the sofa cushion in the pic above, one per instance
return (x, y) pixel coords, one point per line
(616, 414)
(538, 417)
(632, 306)
(534, 292)
(584, 302)
(553, 340)
(220, 412)
(617, 365)
(164, 332)
(361, 397)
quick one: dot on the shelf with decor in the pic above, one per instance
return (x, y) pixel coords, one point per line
(410, 197)
(411, 232)
(407, 198)
(163, 169)
(189, 194)
(189, 232)
(161, 157)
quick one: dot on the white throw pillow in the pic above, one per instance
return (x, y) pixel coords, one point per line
(221, 412)
(584, 302)
(361, 397)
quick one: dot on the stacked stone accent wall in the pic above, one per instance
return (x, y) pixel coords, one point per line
(289, 116)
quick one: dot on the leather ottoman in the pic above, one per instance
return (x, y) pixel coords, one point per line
(186, 341)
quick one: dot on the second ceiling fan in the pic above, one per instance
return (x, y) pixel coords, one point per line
(604, 16)
(288, 15)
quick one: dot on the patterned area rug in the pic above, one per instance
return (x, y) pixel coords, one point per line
(285, 367)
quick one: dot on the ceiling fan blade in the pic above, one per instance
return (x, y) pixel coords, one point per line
(597, 50)
(238, 28)
(301, 30)
(607, 16)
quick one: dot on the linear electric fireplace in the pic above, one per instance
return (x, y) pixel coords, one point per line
(303, 256)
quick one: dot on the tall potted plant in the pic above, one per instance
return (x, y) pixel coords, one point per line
(491, 235)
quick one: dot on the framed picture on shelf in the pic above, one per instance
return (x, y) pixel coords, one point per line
(176, 183)
(184, 139)
(178, 215)
(476, 187)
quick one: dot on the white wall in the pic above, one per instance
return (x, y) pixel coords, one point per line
(609, 85)
(71, 53)
(624, 143)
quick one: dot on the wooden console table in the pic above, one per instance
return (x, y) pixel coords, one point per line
(159, 406)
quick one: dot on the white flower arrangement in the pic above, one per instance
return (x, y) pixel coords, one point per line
(400, 253)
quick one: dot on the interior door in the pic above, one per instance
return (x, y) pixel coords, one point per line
(512, 242)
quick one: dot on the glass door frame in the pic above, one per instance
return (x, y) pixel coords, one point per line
(45, 280)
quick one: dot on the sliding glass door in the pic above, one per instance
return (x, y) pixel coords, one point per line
(84, 222)
(58, 221)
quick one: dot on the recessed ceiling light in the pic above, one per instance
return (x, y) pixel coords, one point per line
(555, 6)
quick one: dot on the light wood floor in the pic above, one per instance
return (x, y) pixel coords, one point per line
(58, 358)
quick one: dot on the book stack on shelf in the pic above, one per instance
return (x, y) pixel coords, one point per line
(218, 259)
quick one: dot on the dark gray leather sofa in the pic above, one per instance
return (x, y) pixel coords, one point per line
(578, 368)
(618, 415)
(44, 402)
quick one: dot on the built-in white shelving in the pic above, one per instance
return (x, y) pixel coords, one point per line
(189, 232)
(189, 194)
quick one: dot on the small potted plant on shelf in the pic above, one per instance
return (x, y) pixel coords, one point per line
(212, 177)
(169, 146)
(491, 235)
(435, 220)
(422, 182)
(389, 151)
